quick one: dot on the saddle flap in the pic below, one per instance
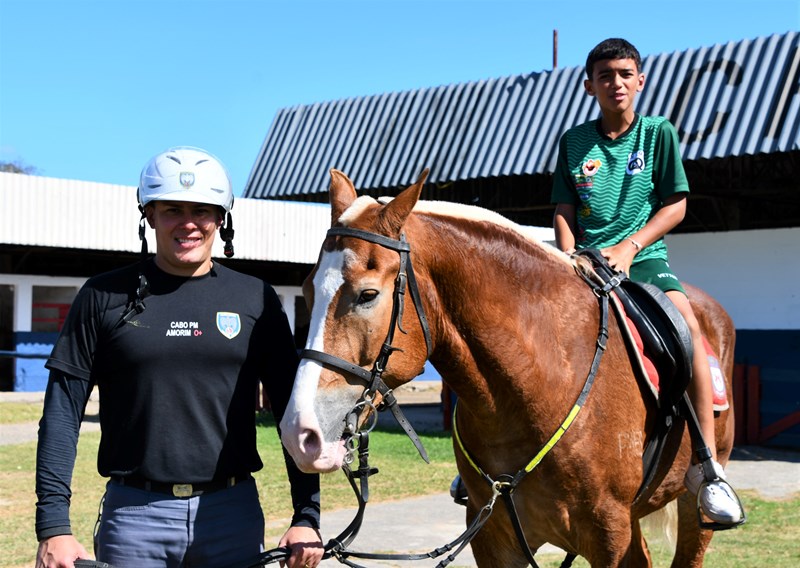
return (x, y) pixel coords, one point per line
(664, 332)
(665, 335)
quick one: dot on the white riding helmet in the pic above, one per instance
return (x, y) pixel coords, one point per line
(184, 173)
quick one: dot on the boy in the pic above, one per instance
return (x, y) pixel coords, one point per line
(620, 186)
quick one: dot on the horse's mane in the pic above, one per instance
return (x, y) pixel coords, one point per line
(468, 212)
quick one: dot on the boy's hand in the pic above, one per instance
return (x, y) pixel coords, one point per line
(620, 256)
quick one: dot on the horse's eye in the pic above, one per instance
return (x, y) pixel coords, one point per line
(367, 296)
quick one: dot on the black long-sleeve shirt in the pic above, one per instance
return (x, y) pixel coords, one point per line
(177, 385)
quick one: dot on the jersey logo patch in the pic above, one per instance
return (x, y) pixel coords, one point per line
(229, 324)
(635, 163)
(591, 166)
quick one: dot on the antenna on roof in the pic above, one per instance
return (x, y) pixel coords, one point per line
(555, 49)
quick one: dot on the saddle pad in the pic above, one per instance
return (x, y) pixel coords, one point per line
(649, 371)
(717, 378)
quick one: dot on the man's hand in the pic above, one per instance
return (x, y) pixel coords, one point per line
(306, 545)
(60, 552)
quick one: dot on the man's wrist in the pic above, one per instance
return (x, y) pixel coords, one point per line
(44, 534)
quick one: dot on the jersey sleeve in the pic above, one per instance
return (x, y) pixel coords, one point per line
(669, 176)
(563, 186)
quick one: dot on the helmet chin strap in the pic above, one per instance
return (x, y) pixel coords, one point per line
(136, 302)
(226, 232)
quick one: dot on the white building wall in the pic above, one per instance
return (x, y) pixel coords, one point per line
(755, 275)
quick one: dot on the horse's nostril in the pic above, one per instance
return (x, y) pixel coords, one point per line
(310, 442)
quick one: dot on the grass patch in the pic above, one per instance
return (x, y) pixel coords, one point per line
(20, 412)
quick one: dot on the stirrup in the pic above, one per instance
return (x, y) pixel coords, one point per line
(458, 492)
(709, 524)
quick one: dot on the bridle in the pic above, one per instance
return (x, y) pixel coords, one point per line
(373, 379)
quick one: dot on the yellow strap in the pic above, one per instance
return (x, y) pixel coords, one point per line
(461, 445)
(556, 437)
(538, 457)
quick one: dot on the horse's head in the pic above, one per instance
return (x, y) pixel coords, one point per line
(356, 296)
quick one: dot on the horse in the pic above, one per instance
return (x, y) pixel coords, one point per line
(512, 330)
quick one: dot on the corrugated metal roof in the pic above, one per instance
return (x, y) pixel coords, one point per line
(50, 212)
(726, 100)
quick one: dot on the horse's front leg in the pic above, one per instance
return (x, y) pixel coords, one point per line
(607, 538)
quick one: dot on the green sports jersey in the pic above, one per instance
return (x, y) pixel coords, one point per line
(618, 185)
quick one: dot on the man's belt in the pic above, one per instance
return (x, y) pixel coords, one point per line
(180, 489)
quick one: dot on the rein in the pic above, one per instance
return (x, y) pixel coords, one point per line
(506, 484)
(337, 547)
(373, 379)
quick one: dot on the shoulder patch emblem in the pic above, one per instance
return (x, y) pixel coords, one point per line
(229, 324)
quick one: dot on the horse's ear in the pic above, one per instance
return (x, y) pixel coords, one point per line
(342, 193)
(396, 212)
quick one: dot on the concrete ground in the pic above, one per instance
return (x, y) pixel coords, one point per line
(422, 524)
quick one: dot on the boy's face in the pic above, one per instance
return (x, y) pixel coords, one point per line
(614, 84)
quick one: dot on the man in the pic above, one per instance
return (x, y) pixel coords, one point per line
(176, 345)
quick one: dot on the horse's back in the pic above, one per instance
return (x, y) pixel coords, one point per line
(716, 324)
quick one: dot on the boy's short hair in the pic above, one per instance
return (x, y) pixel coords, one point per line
(612, 48)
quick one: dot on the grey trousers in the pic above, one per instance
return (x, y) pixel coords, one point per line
(142, 529)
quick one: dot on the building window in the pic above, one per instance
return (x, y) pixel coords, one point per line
(50, 307)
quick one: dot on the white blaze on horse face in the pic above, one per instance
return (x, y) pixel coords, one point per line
(313, 423)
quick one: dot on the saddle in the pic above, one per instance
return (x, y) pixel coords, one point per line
(667, 342)
(665, 334)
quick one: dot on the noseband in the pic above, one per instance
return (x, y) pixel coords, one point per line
(373, 379)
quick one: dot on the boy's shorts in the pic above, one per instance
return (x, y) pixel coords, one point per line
(658, 273)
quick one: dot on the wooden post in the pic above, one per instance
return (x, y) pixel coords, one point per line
(753, 404)
(739, 404)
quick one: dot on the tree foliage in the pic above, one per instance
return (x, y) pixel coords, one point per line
(17, 167)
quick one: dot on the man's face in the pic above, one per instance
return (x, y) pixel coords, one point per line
(185, 232)
(615, 83)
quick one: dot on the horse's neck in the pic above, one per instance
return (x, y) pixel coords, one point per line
(498, 303)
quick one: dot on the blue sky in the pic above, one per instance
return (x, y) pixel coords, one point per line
(91, 89)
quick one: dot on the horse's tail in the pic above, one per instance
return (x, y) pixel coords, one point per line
(662, 524)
